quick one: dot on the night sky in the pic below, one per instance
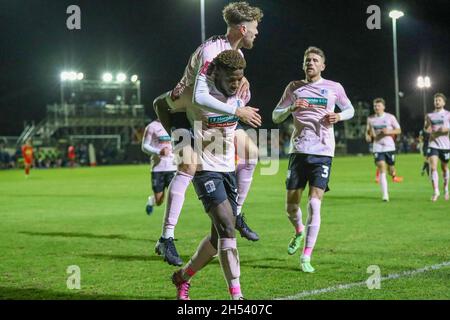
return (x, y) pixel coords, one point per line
(154, 39)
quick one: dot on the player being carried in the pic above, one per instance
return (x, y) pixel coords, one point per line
(215, 179)
(437, 124)
(311, 103)
(381, 127)
(156, 142)
(242, 27)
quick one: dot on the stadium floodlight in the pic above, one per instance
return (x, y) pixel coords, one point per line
(395, 14)
(420, 82)
(64, 76)
(423, 83)
(80, 76)
(107, 77)
(121, 77)
(72, 76)
(134, 78)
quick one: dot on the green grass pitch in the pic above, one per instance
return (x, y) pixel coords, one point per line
(95, 218)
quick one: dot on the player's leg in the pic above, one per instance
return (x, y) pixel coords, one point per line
(445, 155)
(244, 175)
(318, 173)
(312, 227)
(175, 200)
(177, 189)
(27, 169)
(157, 188)
(294, 214)
(381, 165)
(162, 110)
(295, 184)
(434, 176)
(205, 253)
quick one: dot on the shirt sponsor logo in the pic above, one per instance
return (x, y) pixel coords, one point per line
(436, 122)
(222, 121)
(164, 139)
(316, 102)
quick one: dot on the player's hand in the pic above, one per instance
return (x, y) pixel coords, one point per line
(243, 90)
(301, 103)
(250, 116)
(164, 151)
(332, 118)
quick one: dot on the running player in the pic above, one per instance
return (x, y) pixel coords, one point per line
(437, 124)
(156, 142)
(242, 27)
(381, 127)
(311, 103)
(215, 181)
(27, 154)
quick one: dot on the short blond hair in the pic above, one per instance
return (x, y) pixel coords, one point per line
(379, 100)
(237, 12)
(314, 50)
(440, 94)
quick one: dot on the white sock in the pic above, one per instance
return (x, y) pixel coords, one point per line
(384, 185)
(168, 233)
(151, 201)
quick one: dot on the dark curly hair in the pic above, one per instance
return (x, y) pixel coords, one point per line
(228, 59)
(237, 12)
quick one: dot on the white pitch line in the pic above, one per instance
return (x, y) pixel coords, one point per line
(363, 283)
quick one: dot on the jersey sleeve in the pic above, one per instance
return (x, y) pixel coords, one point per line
(283, 108)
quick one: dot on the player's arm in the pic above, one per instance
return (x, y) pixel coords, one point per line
(344, 103)
(427, 125)
(146, 146)
(369, 133)
(285, 106)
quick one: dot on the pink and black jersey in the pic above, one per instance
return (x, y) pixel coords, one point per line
(214, 133)
(311, 134)
(199, 61)
(378, 123)
(439, 120)
(155, 139)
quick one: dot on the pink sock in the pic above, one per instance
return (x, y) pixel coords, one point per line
(384, 185)
(313, 223)
(175, 199)
(307, 251)
(435, 181)
(244, 177)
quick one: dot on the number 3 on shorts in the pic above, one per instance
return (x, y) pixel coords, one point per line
(326, 171)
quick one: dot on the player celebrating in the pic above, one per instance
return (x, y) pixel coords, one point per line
(242, 21)
(437, 124)
(381, 127)
(215, 181)
(157, 143)
(311, 103)
(27, 154)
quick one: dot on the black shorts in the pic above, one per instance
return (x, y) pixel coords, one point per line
(213, 188)
(444, 155)
(161, 180)
(388, 157)
(305, 168)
